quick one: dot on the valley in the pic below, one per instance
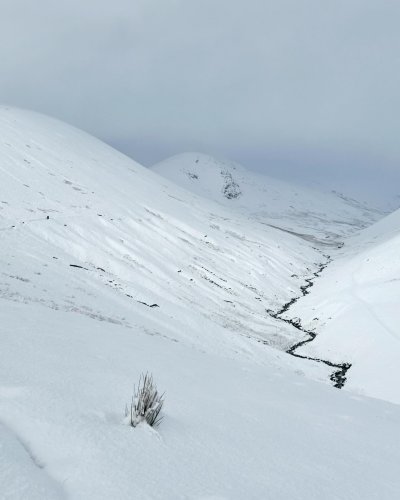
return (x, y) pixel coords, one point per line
(247, 309)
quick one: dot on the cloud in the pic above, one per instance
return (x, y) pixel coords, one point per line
(255, 77)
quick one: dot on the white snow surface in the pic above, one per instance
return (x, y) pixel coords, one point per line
(327, 215)
(242, 419)
(354, 307)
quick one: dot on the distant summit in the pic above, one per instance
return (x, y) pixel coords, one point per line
(268, 199)
(204, 175)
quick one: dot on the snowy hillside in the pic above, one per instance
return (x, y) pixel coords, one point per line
(289, 206)
(356, 303)
(142, 238)
(109, 270)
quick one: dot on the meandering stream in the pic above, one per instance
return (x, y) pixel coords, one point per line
(338, 377)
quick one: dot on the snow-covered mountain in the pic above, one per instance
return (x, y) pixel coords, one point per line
(354, 304)
(109, 270)
(78, 202)
(327, 215)
(355, 309)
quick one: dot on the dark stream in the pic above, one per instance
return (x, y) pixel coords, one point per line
(338, 377)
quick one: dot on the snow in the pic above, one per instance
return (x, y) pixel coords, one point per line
(242, 418)
(356, 303)
(354, 306)
(21, 475)
(325, 215)
(232, 429)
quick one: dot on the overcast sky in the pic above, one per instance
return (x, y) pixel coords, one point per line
(302, 89)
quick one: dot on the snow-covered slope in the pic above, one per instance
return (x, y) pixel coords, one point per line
(136, 234)
(289, 206)
(355, 308)
(108, 270)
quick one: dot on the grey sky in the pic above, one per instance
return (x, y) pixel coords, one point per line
(296, 88)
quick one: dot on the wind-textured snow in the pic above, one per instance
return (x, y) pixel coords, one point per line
(108, 270)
